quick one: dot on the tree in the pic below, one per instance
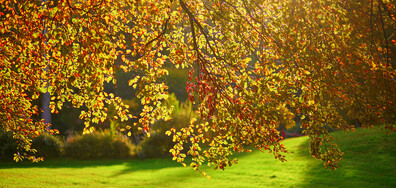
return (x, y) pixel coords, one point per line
(246, 59)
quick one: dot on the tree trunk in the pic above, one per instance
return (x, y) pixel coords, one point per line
(46, 111)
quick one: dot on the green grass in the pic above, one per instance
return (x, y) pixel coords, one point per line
(369, 161)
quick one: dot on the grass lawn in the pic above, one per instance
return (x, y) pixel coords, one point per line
(369, 161)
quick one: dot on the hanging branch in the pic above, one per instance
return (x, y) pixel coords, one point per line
(385, 37)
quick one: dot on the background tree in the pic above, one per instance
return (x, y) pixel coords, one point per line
(245, 60)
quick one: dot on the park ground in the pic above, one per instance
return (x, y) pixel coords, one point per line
(369, 161)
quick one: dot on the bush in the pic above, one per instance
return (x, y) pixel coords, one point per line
(157, 145)
(8, 146)
(98, 145)
(47, 146)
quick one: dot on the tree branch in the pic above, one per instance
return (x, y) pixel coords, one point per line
(160, 35)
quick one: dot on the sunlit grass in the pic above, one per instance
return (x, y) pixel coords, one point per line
(369, 161)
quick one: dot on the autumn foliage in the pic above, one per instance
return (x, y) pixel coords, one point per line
(252, 64)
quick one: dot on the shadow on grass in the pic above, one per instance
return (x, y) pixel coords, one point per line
(147, 164)
(133, 164)
(115, 173)
(160, 163)
(369, 160)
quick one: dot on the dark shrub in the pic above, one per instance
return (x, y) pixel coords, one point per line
(8, 146)
(98, 145)
(157, 145)
(47, 146)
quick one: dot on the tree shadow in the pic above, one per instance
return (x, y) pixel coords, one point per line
(133, 164)
(161, 163)
(369, 160)
(146, 164)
